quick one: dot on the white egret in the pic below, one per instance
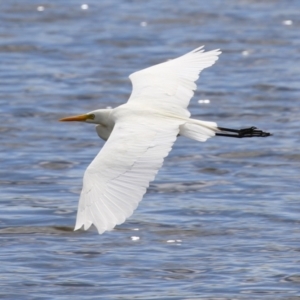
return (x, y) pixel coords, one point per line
(140, 134)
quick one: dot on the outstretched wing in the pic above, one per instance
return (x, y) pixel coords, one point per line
(116, 180)
(118, 177)
(171, 85)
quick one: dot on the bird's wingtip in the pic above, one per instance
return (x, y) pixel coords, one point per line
(77, 227)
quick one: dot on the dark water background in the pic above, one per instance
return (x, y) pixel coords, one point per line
(222, 219)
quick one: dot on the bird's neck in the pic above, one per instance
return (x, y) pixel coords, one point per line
(102, 117)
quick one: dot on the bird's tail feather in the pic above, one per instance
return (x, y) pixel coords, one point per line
(198, 130)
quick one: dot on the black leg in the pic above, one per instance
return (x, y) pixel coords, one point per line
(242, 133)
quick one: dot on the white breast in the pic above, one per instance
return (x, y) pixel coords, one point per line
(104, 131)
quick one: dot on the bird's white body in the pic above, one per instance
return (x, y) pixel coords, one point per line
(139, 135)
(189, 127)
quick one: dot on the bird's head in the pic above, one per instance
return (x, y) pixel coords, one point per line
(91, 117)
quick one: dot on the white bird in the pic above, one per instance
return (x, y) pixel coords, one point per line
(140, 134)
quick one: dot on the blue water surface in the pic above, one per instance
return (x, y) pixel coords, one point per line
(222, 218)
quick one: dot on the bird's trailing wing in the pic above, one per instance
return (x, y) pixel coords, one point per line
(170, 85)
(116, 180)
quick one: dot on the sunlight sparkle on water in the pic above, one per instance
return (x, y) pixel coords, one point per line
(84, 6)
(287, 22)
(205, 101)
(40, 8)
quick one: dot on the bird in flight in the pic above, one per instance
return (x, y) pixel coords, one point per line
(139, 135)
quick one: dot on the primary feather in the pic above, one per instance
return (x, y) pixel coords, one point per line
(171, 85)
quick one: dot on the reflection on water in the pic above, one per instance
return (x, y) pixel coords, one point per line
(221, 221)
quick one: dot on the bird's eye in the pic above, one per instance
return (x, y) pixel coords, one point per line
(92, 116)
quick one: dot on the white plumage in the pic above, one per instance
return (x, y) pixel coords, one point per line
(170, 85)
(116, 180)
(139, 135)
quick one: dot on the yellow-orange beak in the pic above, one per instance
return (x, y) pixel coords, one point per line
(80, 118)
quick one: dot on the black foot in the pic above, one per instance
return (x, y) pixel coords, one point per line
(242, 133)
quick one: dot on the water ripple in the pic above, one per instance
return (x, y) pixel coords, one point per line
(221, 220)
